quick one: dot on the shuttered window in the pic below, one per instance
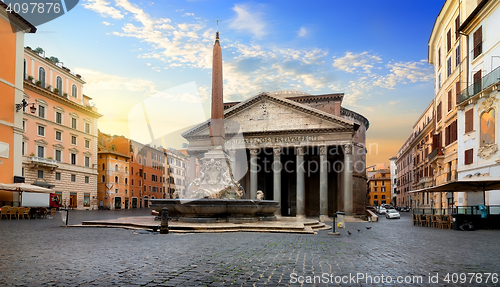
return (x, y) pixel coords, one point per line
(457, 89)
(448, 41)
(450, 100)
(438, 112)
(457, 25)
(478, 42)
(469, 120)
(469, 156)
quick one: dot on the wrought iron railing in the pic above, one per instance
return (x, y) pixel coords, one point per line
(486, 81)
(436, 152)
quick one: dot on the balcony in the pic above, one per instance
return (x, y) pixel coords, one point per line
(436, 155)
(474, 89)
(42, 162)
(425, 180)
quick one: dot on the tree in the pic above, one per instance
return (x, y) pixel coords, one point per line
(39, 50)
(54, 60)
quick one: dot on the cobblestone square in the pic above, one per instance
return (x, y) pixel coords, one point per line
(41, 253)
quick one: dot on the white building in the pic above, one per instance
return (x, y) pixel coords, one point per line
(478, 106)
(178, 163)
(394, 177)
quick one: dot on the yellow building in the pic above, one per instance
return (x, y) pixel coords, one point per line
(379, 188)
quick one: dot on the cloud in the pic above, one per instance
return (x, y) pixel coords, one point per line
(102, 7)
(404, 73)
(392, 103)
(96, 80)
(106, 23)
(302, 32)
(352, 62)
(249, 21)
(188, 14)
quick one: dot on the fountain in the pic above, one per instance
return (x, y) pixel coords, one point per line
(215, 195)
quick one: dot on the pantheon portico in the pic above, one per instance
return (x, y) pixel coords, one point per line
(305, 151)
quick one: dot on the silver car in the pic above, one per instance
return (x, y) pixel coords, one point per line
(392, 213)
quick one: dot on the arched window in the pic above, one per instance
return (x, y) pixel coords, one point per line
(74, 91)
(116, 179)
(116, 167)
(126, 170)
(126, 181)
(41, 76)
(59, 84)
(103, 178)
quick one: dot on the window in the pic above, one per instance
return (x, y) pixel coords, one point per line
(103, 178)
(58, 135)
(74, 91)
(478, 42)
(439, 57)
(23, 150)
(450, 100)
(87, 143)
(383, 196)
(132, 170)
(144, 176)
(469, 156)
(73, 140)
(439, 80)
(457, 25)
(126, 181)
(375, 196)
(448, 67)
(87, 128)
(438, 112)
(87, 161)
(477, 82)
(41, 131)
(41, 111)
(58, 176)
(73, 158)
(41, 151)
(58, 117)
(116, 190)
(116, 179)
(40, 173)
(59, 85)
(87, 179)
(58, 155)
(24, 125)
(41, 76)
(86, 199)
(457, 56)
(469, 120)
(132, 181)
(448, 41)
(74, 123)
(116, 167)
(73, 178)
(451, 133)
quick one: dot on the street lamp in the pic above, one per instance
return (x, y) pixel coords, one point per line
(24, 104)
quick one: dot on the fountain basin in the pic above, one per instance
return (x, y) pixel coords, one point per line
(217, 210)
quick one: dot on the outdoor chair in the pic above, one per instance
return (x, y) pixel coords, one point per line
(27, 212)
(13, 211)
(20, 212)
(428, 220)
(449, 222)
(415, 220)
(5, 211)
(439, 221)
(419, 219)
(433, 220)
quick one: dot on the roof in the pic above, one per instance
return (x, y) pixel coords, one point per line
(474, 13)
(32, 28)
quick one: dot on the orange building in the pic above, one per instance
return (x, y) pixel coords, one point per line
(150, 162)
(113, 183)
(12, 28)
(379, 188)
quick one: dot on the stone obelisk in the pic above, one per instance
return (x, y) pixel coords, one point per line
(217, 134)
(216, 180)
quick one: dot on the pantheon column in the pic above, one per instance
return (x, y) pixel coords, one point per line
(300, 182)
(277, 176)
(253, 173)
(323, 181)
(348, 167)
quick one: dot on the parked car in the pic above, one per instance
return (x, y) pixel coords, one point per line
(382, 210)
(392, 213)
(404, 209)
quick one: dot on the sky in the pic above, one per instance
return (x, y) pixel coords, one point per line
(156, 56)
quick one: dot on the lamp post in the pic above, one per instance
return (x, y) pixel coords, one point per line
(24, 104)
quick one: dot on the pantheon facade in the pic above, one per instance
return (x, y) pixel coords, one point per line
(305, 151)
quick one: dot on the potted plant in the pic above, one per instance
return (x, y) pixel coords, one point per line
(32, 154)
(39, 83)
(78, 76)
(56, 90)
(30, 78)
(28, 47)
(49, 157)
(49, 87)
(65, 95)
